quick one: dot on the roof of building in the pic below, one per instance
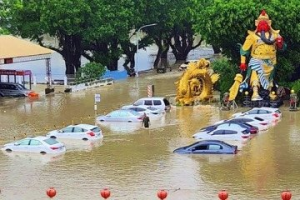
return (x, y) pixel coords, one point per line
(13, 47)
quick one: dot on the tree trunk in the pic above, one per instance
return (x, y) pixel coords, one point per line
(113, 55)
(71, 52)
(164, 62)
(216, 49)
(182, 42)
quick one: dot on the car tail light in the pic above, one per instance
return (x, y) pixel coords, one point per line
(140, 118)
(253, 131)
(264, 123)
(54, 148)
(275, 115)
(245, 136)
(92, 134)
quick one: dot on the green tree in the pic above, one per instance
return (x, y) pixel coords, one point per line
(90, 71)
(225, 24)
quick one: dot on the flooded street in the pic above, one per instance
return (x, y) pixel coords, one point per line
(134, 163)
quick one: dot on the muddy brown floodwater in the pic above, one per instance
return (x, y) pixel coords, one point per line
(135, 163)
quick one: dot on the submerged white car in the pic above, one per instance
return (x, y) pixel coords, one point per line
(223, 134)
(260, 123)
(77, 131)
(149, 110)
(272, 114)
(38, 144)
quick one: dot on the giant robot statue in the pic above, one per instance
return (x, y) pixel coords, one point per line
(261, 45)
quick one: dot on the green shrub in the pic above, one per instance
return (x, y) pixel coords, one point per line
(90, 71)
(227, 72)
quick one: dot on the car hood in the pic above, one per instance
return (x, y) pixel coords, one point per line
(54, 131)
(179, 150)
(9, 144)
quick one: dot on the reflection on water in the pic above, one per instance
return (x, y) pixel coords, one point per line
(21, 157)
(135, 162)
(80, 145)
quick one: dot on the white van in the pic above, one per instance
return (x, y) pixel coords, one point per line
(156, 102)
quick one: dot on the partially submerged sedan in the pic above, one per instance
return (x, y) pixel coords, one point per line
(223, 134)
(77, 131)
(271, 114)
(122, 115)
(208, 147)
(38, 144)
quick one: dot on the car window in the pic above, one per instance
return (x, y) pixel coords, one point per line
(277, 111)
(96, 129)
(24, 142)
(35, 143)
(229, 132)
(67, 129)
(157, 102)
(12, 87)
(200, 147)
(135, 113)
(138, 103)
(231, 125)
(124, 114)
(214, 147)
(218, 132)
(21, 86)
(50, 141)
(252, 112)
(264, 112)
(78, 129)
(241, 120)
(114, 114)
(148, 102)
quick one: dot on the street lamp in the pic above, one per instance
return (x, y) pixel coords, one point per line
(137, 46)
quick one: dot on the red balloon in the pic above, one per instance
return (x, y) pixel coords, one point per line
(162, 194)
(51, 192)
(286, 195)
(223, 194)
(105, 193)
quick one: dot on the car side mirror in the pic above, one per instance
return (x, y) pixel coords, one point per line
(193, 149)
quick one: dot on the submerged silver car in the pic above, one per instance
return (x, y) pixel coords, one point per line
(122, 115)
(13, 90)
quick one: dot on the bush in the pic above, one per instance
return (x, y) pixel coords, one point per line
(89, 72)
(227, 72)
(296, 88)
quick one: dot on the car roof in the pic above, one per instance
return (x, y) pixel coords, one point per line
(5, 83)
(85, 126)
(264, 108)
(38, 138)
(151, 98)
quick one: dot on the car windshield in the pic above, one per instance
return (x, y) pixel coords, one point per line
(246, 124)
(50, 141)
(96, 129)
(22, 87)
(134, 113)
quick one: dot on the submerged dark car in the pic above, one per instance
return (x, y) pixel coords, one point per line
(208, 147)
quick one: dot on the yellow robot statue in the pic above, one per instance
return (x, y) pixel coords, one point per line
(196, 83)
(262, 45)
